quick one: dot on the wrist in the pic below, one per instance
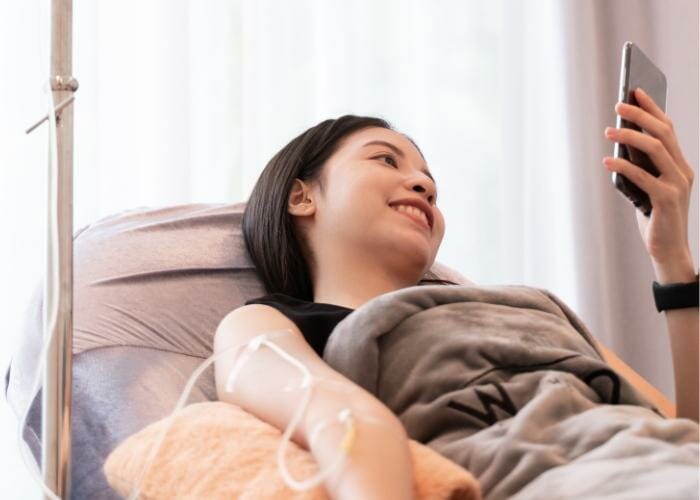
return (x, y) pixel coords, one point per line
(378, 466)
(681, 270)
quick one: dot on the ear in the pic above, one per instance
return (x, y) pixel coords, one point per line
(300, 199)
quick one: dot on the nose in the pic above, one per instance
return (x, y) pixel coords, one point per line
(425, 186)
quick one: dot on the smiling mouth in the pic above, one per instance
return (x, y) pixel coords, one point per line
(415, 219)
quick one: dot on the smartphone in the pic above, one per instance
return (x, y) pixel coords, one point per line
(637, 70)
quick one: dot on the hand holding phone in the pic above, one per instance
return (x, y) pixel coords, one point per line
(660, 173)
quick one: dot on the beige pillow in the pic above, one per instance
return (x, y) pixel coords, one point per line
(165, 277)
(217, 450)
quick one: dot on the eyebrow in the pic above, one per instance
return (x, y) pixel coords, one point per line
(398, 152)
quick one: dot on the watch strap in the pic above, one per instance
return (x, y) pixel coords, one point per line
(676, 295)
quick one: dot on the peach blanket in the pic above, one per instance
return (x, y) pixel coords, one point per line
(216, 450)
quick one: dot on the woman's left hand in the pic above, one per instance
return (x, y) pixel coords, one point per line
(665, 232)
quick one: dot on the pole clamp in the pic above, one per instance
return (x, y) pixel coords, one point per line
(59, 82)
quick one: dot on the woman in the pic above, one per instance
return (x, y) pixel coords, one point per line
(346, 212)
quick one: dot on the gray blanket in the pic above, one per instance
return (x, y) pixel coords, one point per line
(507, 382)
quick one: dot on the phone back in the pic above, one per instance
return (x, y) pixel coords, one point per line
(637, 70)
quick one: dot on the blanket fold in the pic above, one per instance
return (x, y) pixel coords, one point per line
(508, 382)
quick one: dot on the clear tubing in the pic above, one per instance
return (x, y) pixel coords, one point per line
(344, 416)
(181, 402)
(307, 383)
(50, 317)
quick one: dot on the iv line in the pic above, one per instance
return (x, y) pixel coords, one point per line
(50, 317)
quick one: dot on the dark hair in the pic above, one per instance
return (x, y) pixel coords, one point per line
(277, 251)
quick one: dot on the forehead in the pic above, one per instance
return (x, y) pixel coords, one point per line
(373, 138)
(355, 142)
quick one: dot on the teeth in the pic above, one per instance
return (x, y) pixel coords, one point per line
(412, 210)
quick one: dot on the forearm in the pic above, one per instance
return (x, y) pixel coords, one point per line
(270, 387)
(379, 463)
(683, 332)
(682, 327)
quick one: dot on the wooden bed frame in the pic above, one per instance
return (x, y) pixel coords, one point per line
(657, 397)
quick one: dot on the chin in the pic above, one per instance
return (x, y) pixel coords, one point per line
(416, 243)
(418, 262)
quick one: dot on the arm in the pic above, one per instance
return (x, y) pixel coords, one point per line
(682, 327)
(665, 231)
(379, 465)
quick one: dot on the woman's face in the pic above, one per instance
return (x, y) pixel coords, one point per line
(363, 180)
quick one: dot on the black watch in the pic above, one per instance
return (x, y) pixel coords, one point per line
(676, 295)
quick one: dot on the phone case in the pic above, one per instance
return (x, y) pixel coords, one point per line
(637, 70)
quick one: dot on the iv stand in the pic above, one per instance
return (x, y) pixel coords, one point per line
(58, 374)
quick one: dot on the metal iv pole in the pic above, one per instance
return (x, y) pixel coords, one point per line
(58, 377)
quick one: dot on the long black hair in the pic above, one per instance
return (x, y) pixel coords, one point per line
(281, 255)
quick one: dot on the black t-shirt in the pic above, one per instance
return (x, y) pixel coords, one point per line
(316, 320)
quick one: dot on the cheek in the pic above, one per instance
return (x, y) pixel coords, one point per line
(354, 206)
(361, 196)
(438, 231)
(441, 223)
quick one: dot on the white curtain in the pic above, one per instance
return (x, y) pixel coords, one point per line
(183, 101)
(613, 269)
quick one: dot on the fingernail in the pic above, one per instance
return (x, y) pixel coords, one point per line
(641, 91)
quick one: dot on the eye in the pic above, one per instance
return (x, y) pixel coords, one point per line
(391, 157)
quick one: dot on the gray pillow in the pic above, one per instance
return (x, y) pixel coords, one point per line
(150, 288)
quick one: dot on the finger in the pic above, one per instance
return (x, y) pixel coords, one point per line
(657, 128)
(652, 146)
(648, 104)
(643, 179)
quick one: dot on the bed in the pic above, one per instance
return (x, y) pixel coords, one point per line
(150, 287)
